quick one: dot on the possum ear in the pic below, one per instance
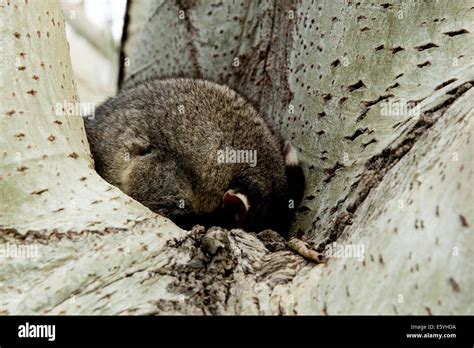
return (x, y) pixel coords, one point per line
(238, 204)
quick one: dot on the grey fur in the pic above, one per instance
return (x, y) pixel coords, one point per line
(158, 142)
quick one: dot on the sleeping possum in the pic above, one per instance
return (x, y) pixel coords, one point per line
(197, 153)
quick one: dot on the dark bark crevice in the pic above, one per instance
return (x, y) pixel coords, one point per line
(123, 40)
(186, 5)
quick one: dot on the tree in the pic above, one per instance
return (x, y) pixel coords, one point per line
(378, 98)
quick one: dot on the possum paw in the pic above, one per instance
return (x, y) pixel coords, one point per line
(304, 250)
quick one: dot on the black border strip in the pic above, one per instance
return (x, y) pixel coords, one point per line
(240, 330)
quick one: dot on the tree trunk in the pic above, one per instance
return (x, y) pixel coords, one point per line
(377, 97)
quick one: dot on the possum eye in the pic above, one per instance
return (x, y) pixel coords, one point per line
(140, 146)
(238, 206)
(145, 150)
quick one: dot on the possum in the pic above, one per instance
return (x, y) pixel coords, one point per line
(198, 153)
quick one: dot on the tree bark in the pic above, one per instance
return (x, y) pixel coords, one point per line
(395, 185)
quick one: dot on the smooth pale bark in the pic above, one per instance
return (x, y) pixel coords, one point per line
(398, 187)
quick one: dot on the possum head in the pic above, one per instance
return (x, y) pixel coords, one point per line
(160, 143)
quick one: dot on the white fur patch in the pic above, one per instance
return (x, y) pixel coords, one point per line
(291, 155)
(125, 177)
(243, 198)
